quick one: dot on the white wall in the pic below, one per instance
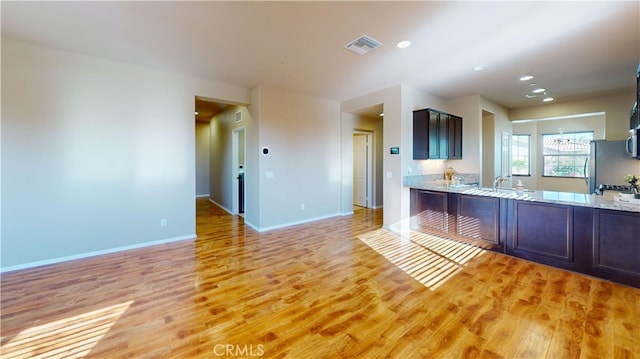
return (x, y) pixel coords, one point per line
(220, 157)
(94, 154)
(616, 106)
(252, 157)
(202, 158)
(302, 134)
(223, 176)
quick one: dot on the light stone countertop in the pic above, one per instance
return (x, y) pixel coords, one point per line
(610, 199)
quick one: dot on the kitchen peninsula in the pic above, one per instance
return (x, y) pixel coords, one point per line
(590, 234)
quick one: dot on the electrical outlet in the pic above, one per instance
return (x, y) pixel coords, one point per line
(163, 222)
(302, 206)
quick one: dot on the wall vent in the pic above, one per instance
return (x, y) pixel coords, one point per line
(238, 116)
(363, 44)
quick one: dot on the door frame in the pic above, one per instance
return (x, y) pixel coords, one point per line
(235, 171)
(370, 202)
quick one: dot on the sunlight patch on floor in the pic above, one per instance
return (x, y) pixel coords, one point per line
(429, 259)
(72, 337)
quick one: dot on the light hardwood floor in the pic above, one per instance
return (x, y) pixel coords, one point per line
(341, 287)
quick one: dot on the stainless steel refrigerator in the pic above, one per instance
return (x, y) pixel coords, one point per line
(608, 163)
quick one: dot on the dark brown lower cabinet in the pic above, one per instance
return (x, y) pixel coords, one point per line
(542, 232)
(616, 246)
(598, 242)
(476, 220)
(479, 219)
(429, 211)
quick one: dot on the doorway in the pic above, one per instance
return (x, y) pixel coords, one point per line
(488, 152)
(363, 168)
(238, 171)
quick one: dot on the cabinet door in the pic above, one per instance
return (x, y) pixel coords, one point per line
(434, 138)
(443, 137)
(455, 137)
(635, 120)
(420, 135)
(542, 232)
(430, 210)
(616, 248)
(479, 218)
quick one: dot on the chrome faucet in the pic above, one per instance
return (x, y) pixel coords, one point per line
(498, 181)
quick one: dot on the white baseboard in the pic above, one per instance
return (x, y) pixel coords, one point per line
(93, 254)
(221, 206)
(251, 225)
(297, 222)
(202, 195)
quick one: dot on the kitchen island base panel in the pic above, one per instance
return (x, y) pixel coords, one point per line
(600, 242)
(542, 232)
(616, 245)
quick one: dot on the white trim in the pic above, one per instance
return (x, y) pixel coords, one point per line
(202, 195)
(297, 222)
(347, 214)
(221, 206)
(589, 114)
(252, 226)
(370, 162)
(235, 165)
(94, 253)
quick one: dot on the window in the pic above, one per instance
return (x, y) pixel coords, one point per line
(520, 155)
(565, 155)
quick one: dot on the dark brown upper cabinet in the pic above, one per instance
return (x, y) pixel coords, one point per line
(436, 135)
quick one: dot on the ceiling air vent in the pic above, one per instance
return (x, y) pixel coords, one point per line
(363, 44)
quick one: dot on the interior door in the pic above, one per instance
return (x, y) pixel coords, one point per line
(360, 169)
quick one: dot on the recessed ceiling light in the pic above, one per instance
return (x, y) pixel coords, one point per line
(403, 44)
(548, 99)
(539, 90)
(526, 78)
(480, 67)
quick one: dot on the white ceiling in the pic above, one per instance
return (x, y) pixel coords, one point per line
(575, 49)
